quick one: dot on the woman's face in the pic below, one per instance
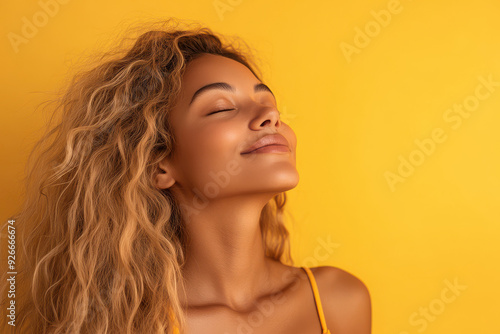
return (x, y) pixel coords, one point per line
(208, 159)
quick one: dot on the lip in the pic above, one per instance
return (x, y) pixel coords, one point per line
(274, 141)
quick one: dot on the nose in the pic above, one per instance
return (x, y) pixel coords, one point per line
(267, 116)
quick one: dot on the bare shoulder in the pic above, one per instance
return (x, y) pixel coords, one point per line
(345, 299)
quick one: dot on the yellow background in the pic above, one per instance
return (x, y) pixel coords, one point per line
(354, 117)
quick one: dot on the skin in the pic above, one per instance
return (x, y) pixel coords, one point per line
(231, 286)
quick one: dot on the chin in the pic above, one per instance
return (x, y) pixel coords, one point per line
(281, 181)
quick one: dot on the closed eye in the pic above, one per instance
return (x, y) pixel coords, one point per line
(213, 112)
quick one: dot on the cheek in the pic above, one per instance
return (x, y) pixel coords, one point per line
(219, 142)
(208, 150)
(290, 135)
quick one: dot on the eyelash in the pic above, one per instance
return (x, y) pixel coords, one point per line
(216, 111)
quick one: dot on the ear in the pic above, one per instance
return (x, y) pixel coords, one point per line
(164, 177)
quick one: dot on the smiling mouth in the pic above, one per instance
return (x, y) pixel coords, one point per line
(272, 148)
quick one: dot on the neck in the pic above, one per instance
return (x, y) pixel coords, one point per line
(225, 258)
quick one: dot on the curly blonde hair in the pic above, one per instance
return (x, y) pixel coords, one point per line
(100, 247)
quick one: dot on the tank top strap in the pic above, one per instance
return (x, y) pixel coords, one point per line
(317, 300)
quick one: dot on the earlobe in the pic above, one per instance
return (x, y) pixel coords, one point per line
(164, 178)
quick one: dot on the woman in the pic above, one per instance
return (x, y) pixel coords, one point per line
(156, 204)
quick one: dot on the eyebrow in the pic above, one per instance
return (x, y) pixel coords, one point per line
(260, 87)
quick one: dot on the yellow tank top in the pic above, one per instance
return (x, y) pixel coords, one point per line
(317, 300)
(319, 308)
